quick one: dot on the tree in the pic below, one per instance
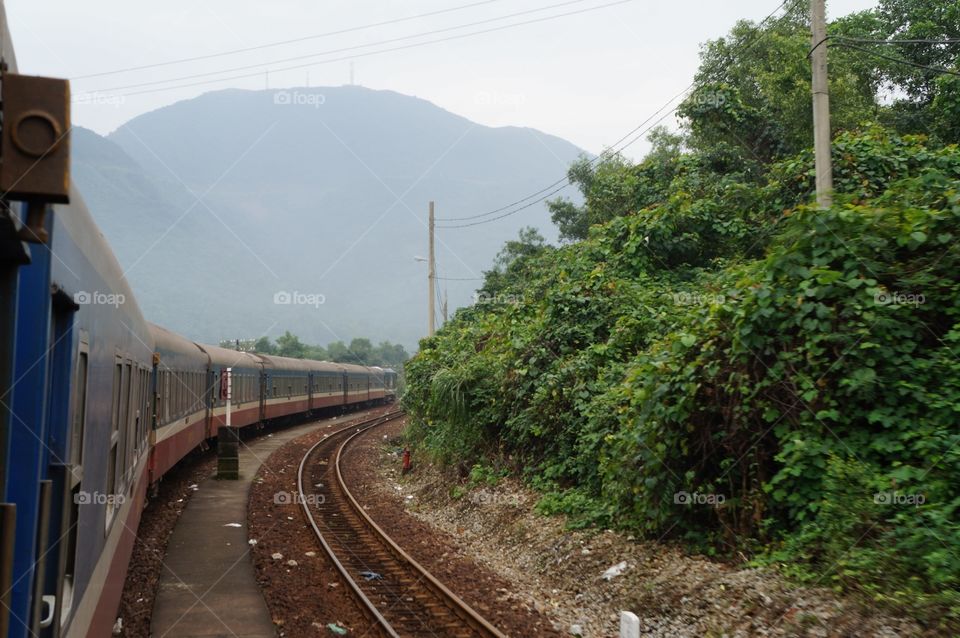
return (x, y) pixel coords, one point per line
(390, 355)
(263, 345)
(337, 351)
(317, 353)
(361, 350)
(289, 345)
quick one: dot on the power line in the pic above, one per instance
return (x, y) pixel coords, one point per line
(342, 49)
(900, 60)
(876, 41)
(268, 45)
(565, 180)
(361, 46)
(557, 190)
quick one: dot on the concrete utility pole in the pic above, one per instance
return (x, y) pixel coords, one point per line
(821, 104)
(432, 278)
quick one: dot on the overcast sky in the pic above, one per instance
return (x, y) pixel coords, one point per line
(588, 77)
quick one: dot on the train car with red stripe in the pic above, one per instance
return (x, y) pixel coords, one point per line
(246, 380)
(182, 411)
(326, 385)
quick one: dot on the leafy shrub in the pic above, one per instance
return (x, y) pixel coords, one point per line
(714, 367)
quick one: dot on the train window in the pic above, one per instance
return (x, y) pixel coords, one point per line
(114, 440)
(115, 409)
(125, 410)
(133, 424)
(173, 394)
(195, 398)
(144, 405)
(166, 396)
(79, 412)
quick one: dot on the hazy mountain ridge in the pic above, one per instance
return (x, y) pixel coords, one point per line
(327, 196)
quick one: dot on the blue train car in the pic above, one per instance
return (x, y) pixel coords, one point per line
(78, 434)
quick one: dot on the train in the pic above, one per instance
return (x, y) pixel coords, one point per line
(97, 404)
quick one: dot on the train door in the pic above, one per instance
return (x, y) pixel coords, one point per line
(25, 467)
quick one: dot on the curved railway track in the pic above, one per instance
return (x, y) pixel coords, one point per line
(394, 591)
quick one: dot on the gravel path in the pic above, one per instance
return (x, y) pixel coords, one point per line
(560, 572)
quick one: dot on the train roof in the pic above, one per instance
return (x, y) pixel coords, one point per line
(324, 366)
(355, 369)
(284, 363)
(168, 341)
(225, 357)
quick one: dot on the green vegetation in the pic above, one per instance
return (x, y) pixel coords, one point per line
(360, 351)
(714, 360)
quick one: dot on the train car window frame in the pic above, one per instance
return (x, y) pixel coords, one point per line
(109, 510)
(79, 421)
(127, 385)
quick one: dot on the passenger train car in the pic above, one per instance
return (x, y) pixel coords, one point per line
(97, 404)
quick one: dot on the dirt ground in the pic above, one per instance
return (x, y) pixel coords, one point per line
(560, 572)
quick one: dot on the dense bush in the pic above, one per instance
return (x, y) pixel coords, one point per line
(796, 370)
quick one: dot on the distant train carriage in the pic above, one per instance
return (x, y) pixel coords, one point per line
(326, 384)
(357, 380)
(246, 382)
(389, 384)
(181, 411)
(286, 386)
(377, 389)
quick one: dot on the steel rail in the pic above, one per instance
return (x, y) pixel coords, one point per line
(450, 600)
(369, 608)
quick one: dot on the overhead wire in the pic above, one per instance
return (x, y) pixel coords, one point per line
(564, 182)
(263, 66)
(899, 60)
(268, 45)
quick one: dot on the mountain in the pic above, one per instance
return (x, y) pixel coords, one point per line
(220, 204)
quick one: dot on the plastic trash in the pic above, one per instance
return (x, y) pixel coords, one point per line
(371, 576)
(615, 571)
(337, 629)
(233, 525)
